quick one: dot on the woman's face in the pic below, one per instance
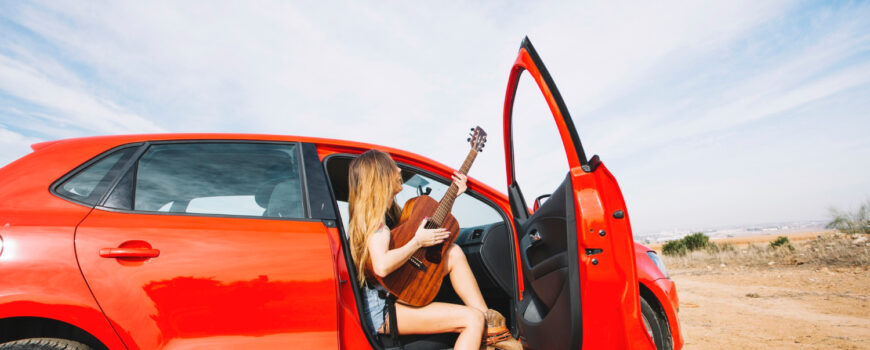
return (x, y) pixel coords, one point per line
(397, 181)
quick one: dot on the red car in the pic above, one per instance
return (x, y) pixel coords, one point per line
(181, 241)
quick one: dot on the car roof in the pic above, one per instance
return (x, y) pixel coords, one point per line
(115, 140)
(325, 146)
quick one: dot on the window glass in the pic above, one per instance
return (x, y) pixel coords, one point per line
(467, 210)
(81, 186)
(249, 179)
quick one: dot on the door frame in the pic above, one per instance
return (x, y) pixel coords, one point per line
(593, 193)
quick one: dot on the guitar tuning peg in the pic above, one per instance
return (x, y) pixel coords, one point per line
(472, 129)
(469, 139)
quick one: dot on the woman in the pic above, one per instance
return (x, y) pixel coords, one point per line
(374, 180)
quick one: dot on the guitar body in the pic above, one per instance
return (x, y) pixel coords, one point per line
(413, 285)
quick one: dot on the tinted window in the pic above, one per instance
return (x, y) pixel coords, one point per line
(250, 179)
(88, 185)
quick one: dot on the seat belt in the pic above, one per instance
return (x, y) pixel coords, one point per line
(390, 306)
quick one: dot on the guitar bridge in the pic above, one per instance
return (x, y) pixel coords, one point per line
(416, 263)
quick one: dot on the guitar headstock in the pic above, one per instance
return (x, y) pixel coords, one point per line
(477, 139)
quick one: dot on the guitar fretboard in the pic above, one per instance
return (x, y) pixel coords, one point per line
(446, 203)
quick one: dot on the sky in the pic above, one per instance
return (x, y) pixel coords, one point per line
(707, 113)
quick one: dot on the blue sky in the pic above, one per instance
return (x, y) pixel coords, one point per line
(708, 113)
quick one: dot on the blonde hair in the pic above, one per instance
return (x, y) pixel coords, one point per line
(370, 182)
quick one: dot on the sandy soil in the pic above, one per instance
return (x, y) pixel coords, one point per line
(774, 307)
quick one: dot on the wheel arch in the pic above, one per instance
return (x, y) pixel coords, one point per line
(41, 316)
(17, 328)
(647, 294)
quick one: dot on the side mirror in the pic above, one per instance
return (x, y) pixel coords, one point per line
(540, 201)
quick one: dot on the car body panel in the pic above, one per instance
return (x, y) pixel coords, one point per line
(41, 277)
(217, 280)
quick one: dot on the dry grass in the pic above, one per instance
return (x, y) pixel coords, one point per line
(827, 249)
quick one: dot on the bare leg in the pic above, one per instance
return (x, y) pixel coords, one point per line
(463, 280)
(442, 318)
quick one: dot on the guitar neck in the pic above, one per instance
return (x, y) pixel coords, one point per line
(446, 203)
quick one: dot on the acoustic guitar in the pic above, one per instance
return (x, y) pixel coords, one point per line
(418, 280)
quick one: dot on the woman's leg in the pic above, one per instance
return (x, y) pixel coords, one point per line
(463, 280)
(442, 318)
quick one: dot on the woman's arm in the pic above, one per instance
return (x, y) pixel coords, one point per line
(385, 261)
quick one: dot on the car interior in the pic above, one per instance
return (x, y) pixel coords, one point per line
(487, 247)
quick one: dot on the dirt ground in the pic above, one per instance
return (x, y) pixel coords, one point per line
(774, 306)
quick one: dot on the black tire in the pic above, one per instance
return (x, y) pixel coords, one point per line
(656, 328)
(44, 344)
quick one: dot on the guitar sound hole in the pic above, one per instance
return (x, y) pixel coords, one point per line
(433, 253)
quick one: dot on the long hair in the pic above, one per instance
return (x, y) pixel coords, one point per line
(370, 182)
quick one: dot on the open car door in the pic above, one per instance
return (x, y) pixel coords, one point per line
(579, 284)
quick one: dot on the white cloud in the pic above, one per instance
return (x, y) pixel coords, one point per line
(14, 145)
(637, 77)
(77, 107)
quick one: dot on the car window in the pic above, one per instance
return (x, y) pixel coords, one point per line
(85, 185)
(247, 179)
(467, 210)
(539, 159)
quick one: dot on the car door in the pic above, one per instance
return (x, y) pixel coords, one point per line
(210, 245)
(579, 283)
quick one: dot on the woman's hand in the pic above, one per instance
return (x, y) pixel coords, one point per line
(459, 179)
(426, 237)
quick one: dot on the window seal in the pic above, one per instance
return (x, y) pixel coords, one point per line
(133, 160)
(84, 166)
(227, 216)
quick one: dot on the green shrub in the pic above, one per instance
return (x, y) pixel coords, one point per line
(857, 222)
(781, 241)
(674, 248)
(696, 241)
(690, 243)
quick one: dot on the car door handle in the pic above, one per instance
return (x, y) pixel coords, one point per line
(535, 237)
(129, 252)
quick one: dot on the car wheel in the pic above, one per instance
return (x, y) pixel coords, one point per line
(44, 344)
(654, 327)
